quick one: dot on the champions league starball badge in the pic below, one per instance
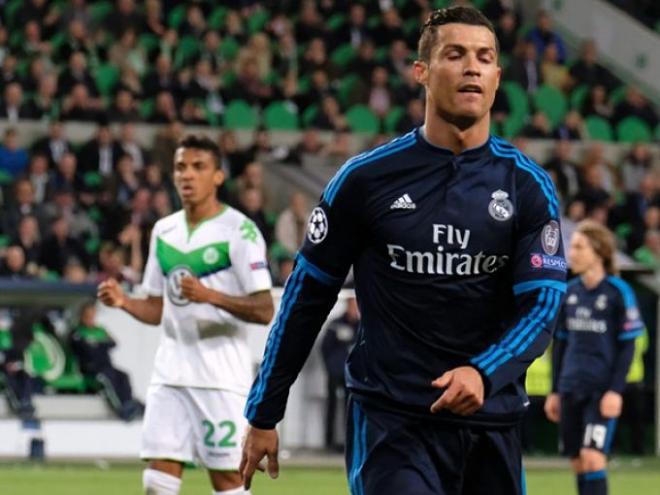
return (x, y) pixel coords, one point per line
(500, 207)
(317, 229)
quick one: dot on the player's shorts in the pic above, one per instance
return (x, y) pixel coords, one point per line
(391, 454)
(582, 426)
(194, 425)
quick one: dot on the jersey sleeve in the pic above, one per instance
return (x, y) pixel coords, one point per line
(248, 259)
(539, 278)
(629, 327)
(152, 281)
(332, 243)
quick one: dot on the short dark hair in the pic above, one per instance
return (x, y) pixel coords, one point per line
(201, 142)
(459, 15)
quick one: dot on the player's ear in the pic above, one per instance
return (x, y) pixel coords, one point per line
(218, 177)
(421, 71)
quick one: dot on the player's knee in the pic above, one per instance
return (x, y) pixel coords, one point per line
(592, 460)
(159, 483)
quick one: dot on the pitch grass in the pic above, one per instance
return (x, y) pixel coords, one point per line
(627, 477)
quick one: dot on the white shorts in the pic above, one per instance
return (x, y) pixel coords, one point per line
(194, 425)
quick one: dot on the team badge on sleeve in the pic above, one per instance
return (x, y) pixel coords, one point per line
(550, 238)
(317, 229)
(500, 207)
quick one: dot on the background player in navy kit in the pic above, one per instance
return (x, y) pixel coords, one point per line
(454, 241)
(593, 348)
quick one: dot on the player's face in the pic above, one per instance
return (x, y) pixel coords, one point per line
(462, 74)
(581, 254)
(195, 175)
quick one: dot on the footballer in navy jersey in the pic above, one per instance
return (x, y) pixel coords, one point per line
(455, 244)
(592, 352)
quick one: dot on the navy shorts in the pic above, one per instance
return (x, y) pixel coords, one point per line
(392, 454)
(582, 426)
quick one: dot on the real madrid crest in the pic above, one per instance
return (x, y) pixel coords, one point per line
(500, 207)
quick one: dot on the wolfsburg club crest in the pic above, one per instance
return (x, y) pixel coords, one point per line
(500, 208)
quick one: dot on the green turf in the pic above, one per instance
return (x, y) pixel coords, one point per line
(626, 478)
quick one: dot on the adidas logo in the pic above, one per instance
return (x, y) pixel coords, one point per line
(403, 203)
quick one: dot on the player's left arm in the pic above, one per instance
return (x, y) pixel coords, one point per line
(539, 275)
(253, 308)
(630, 326)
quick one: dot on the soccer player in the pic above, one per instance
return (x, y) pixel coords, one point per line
(455, 244)
(592, 352)
(205, 276)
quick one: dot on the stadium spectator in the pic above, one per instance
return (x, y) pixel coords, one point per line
(389, 29)
(234, 159)
(330, 116)
(154, 18)
(307, 148)
(194, 23)
(594, 156)
(414, 116)
(12, 108)
(64, 204)
(126, 181)
(79, 105)
(54, 145)
(251, 204)
(338, 150)
(75, 9)
(66, 174)
(253, 177)
(564, 171)
(125, 16)
(29, 240)
(538, 128)
(409, 89)
(380, 99)
(126, 51)
(506, 31)
(33, 45)
(648, 254)
(553, 73)
(112, 260)
(597, 103)
(40, 177)
(338, 340)
(91, 344)
(13, 265)
(76, 39)
(315, 57)
(525, 68)
(59, 247)
(23, 204)
(129, 80)
(101, 153)
(165, 110)
(8, 74)
(640, 210)
(399, 58)
(635, 104)
(542, 35)
(291, 225)
(161, 203)
(129, 145)
(593, 192)
(77, 73)
(310, 25)
(40, 11)
(44, 103)
(162, 78)
(635, 166)
(571, 128)
(124, 108)
(13, 158)
(234, 27)
(164, 144)
(586, 70)
(192, 113)
(362, 66)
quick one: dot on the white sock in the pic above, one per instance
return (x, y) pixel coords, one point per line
(159, 483)
(234, 491)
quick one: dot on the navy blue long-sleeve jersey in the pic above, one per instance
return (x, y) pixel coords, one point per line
(457, 261)
(595, 338)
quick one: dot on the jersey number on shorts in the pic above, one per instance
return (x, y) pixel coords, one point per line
(595, 434)
(227, 440)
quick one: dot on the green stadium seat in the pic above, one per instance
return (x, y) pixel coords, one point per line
(98, 11)
(281, 116)
(632, 129)
(361, 119)
(342, 55)
(392, 119)
(4, 240)
(599, 128)
(336, 21)
(176, 16)
(373, 21)
(617, 95)
(578, 96)
(186, 51)
(519, 102)
(71, 379)
(217, 17)
(381, 54)
(309, 114)
(257, 21)
(11, 10)
(240, 115)
(149, 42)
(147, 108)
(106, 77)
(229, 48)
(552, 103)
(304, 84)
(346, 86)
(441, 4)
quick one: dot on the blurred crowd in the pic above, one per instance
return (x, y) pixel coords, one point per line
(83, 211)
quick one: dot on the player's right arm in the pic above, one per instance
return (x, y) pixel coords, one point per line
(149, 310)
(333, 242)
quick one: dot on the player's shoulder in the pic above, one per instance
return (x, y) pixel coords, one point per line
(622, 289)
(361, 165)
(171, 221)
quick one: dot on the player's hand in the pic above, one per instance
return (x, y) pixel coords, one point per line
(110, 293)
(552, 407)
(610, 404)
(193, 290)
(258, 444)
(463, 391)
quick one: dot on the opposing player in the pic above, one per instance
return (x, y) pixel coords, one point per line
(205, 277)
(592, 352)
(455, 245)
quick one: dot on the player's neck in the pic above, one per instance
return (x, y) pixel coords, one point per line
(196, 214)
(593, 276)
(444, 134)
